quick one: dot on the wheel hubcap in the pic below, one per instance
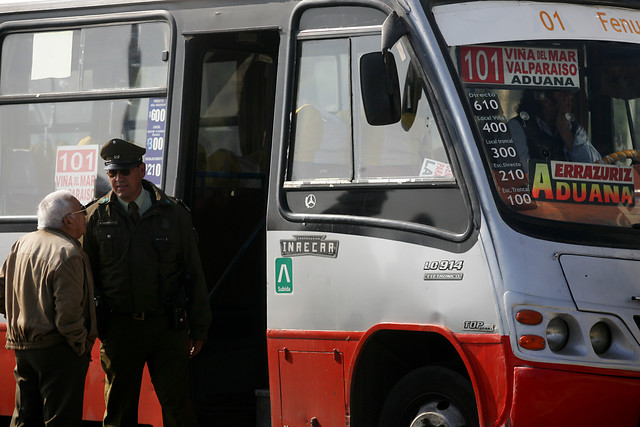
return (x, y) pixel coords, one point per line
(439, 414)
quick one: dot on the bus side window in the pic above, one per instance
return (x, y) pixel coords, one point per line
(411, 148)
(332, 138)
(396, 172)
(91, 75)
(322, 147)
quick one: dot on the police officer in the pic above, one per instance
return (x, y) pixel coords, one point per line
(152, 299)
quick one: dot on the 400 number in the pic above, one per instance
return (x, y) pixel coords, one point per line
(495, 127)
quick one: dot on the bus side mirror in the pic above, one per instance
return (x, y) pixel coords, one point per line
(380, 88)
(379, 76)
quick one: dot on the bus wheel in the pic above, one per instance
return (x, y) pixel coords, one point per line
(428, 397)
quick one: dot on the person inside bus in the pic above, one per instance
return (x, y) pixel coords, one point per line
(545, 129)
(46, 295)
(153, 301)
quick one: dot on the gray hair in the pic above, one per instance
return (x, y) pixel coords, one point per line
(54, 207)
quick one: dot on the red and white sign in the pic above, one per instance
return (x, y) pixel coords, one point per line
(520, 66)
(583, 183)
(435, 169)
(76, 170)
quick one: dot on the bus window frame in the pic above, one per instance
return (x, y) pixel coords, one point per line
(23, 223)
(549, 230)
(539, 227)
(286, 187)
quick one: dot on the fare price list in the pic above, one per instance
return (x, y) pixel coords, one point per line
(508, 171)
(155, 143)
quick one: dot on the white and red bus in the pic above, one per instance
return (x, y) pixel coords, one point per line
(391, 234)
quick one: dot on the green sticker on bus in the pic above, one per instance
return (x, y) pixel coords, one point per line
(284, 275)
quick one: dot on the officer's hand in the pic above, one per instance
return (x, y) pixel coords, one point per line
(563, 123)
(194, 347)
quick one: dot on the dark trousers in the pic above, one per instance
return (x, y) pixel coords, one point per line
(127, 345)
(49, 387)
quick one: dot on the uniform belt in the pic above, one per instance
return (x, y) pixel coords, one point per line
(139, 316)
(144, 315)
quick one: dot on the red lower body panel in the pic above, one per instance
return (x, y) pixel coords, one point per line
(557, 398)
(310, 374)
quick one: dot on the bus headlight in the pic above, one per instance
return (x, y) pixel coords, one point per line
(600, 336)
(557, 334)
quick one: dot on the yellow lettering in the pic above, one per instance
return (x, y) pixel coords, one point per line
(563, 191)
(542, 182)
(595, 193)
(611, 194)
(626, 198)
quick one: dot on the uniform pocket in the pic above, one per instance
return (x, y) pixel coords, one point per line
(166, 247)
(112, 244)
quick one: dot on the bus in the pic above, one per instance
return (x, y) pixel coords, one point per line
(410, 213)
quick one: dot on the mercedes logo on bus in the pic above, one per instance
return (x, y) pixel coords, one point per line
(310, 201)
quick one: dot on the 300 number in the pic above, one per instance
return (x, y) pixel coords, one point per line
(155, 143)
(503, 152)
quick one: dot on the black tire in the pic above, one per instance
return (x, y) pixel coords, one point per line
(447, 391)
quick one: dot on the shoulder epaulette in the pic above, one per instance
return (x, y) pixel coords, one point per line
(91, 202)
(181, 203)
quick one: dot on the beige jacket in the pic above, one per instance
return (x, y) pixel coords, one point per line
(46, 293)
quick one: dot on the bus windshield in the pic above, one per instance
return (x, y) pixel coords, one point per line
(557, 109)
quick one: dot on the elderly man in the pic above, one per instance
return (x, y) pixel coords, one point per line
(148, 276)
(46, 294)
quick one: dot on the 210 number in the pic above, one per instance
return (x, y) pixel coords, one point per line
(154, 169)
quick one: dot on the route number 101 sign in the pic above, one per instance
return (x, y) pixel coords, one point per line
(520, 66)
(76, 170)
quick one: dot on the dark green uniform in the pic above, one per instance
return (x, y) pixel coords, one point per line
(150, 280)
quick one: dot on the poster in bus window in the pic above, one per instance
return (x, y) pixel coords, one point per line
(511, 67)
(520, 66)
(582, 183)
(76, 170)
(155, 142)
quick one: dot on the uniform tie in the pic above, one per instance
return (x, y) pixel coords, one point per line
(133, 212)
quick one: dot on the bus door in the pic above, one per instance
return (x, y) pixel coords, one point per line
(229, 97)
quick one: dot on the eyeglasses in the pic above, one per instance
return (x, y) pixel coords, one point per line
(114, 172)
(83, 210)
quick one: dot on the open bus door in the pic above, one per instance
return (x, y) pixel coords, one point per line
(230, 82)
